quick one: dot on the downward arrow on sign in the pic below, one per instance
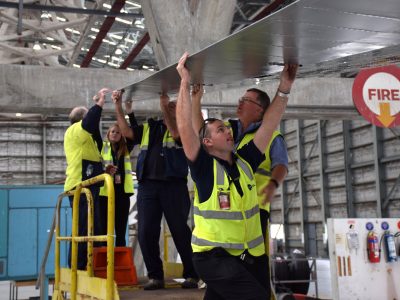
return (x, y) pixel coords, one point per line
(384, 117)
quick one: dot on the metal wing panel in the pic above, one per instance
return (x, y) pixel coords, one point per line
(306, 32)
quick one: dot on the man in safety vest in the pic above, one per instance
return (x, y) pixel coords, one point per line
(162, 190)
(273, 170)
(82, 146)
(227, 241)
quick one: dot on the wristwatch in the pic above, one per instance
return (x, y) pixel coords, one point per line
(283, 95)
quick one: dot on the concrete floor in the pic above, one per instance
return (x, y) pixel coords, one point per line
(173, 290)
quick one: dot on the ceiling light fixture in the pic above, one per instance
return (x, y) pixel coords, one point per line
(72, 30)
(118, 51)
(113, 35)
(36, 46)
(113, 64)
(109, 42)
(123, 21)
(130, 41)
(18, 115)
(45, 15)
(132, 3)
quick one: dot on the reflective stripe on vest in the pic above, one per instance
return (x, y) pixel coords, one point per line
(225, 214)
(203, 242)
(221, 171)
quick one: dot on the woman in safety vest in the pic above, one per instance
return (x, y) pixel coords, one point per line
(117, 163)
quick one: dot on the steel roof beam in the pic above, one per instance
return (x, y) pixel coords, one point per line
(74, 10)
(135, 51)
(105, 27)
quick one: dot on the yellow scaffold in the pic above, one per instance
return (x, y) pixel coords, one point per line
(82, 284)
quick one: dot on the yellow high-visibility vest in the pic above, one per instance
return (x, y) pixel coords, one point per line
(263, 173)
(78, 146)
(235, 229)
(108, 160)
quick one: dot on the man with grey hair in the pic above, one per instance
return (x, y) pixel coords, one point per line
(82, 147)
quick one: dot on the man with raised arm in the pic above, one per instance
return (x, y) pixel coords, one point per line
(82, 146)
(227, 241)
(162, 174)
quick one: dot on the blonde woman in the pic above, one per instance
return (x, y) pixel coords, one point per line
(117, 163)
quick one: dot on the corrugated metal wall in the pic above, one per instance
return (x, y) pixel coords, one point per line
(338, 169)
(33, 153)
(347, 169)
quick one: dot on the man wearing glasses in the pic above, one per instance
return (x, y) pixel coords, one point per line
(227, 241)
(273, 170)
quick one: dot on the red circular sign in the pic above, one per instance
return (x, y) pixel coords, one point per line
(376, 95)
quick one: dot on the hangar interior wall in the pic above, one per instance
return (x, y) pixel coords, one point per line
(337, 169)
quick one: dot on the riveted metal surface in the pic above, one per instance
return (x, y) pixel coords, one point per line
(306, 32)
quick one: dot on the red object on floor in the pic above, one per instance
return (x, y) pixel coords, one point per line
(124, 267)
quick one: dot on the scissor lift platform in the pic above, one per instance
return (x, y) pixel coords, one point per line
(172, 290)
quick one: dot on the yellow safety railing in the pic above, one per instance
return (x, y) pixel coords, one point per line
(90, 238)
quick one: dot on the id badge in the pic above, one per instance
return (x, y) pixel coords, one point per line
(117, 178)
(224, 200)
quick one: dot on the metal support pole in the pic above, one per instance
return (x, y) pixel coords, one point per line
(44, 153)
(323, 181)
(380, 195)
(20, 8)
(302, 189)
(348, 172)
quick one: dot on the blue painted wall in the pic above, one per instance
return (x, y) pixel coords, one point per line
(26, 213)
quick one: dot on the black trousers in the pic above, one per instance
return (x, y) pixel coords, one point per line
(83, 222)
(122, 203)
(170, 198)
(230, 277)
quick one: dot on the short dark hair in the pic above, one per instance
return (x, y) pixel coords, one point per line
(262, 97)
(204, 132)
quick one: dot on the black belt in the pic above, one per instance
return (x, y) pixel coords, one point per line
(221, 252)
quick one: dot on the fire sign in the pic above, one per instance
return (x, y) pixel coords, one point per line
(376, 95)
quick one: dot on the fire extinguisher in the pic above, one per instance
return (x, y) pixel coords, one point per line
(373, 247)
(390, 246)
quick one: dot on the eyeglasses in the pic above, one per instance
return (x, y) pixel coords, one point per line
(245, 99)
(203, 129)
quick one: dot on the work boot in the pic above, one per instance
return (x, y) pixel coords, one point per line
(154, 284)
(190, 283)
